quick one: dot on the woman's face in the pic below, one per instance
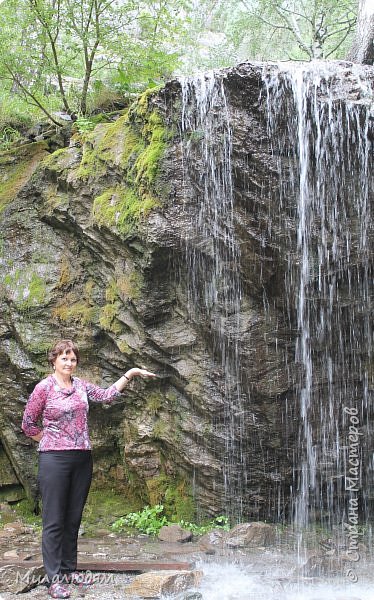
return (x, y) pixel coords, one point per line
(65, 364)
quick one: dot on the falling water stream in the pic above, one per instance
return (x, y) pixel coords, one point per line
(328, 277)
(319, 140)
(214, 291)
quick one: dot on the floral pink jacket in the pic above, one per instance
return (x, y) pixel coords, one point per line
(63, 413)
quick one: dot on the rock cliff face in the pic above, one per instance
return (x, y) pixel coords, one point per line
(100, 245)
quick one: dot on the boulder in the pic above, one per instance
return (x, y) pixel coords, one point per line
(120, 288)
(100, 242)
(250, 534)
(156, 583)
(174, 533)
(321, 565)
(211, 541)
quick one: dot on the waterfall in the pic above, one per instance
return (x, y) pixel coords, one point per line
(325, 138)
(214, 289)
(319, 140)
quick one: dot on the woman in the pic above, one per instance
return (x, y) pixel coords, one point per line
(60, 403)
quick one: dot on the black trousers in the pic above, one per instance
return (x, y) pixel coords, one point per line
(64, 479)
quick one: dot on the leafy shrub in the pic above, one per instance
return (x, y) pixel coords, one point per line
(151, 519)
(15, 112)
(83, 124)
(8, 135)
(220, 522)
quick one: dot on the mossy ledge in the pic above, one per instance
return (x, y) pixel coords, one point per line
(121, 207)
(135, 144)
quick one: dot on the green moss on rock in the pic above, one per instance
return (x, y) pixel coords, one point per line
(108, 317)
(124, 347)
(16, 167)
(136, 144)
(26, 289)
(80, 310)
(34, 293)
(174, 494)
(77, 312)
(56, 161)
(129, 285)
(155, 401)
(93, 164)
(104, 506)
(133, 146)
(122, 208)
(156, 136)
(142, 105)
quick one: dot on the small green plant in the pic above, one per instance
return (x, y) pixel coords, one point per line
(25, 510)
(84, 125)
(151, 519)
(8, 135)
(220, 522)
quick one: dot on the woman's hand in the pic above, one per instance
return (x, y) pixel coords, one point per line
(130, 374)
(135, 372)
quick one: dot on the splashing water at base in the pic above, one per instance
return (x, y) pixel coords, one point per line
(269, 577)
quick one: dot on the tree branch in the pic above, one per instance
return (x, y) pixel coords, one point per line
(294, 12)
(89, 54)
(30, 95)
(350, 22)
(346, 29)
(293, 27)
(273, 25)
(52, 42)
(339, 44)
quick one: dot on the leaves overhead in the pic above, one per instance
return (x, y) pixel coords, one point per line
(283, 29)
(65, 47)
(76, 55)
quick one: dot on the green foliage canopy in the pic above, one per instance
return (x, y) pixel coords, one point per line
(72, 49)
(276, 29)
(73, 55)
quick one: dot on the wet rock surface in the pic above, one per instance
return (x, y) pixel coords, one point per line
(251, 534)
(21, 543)
(123, 297)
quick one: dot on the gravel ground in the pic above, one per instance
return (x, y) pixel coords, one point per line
(19, 540)
(109, 586)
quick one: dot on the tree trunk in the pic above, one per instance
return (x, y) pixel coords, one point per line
(362, 50)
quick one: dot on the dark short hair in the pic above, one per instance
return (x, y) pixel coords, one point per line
(59, 348)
